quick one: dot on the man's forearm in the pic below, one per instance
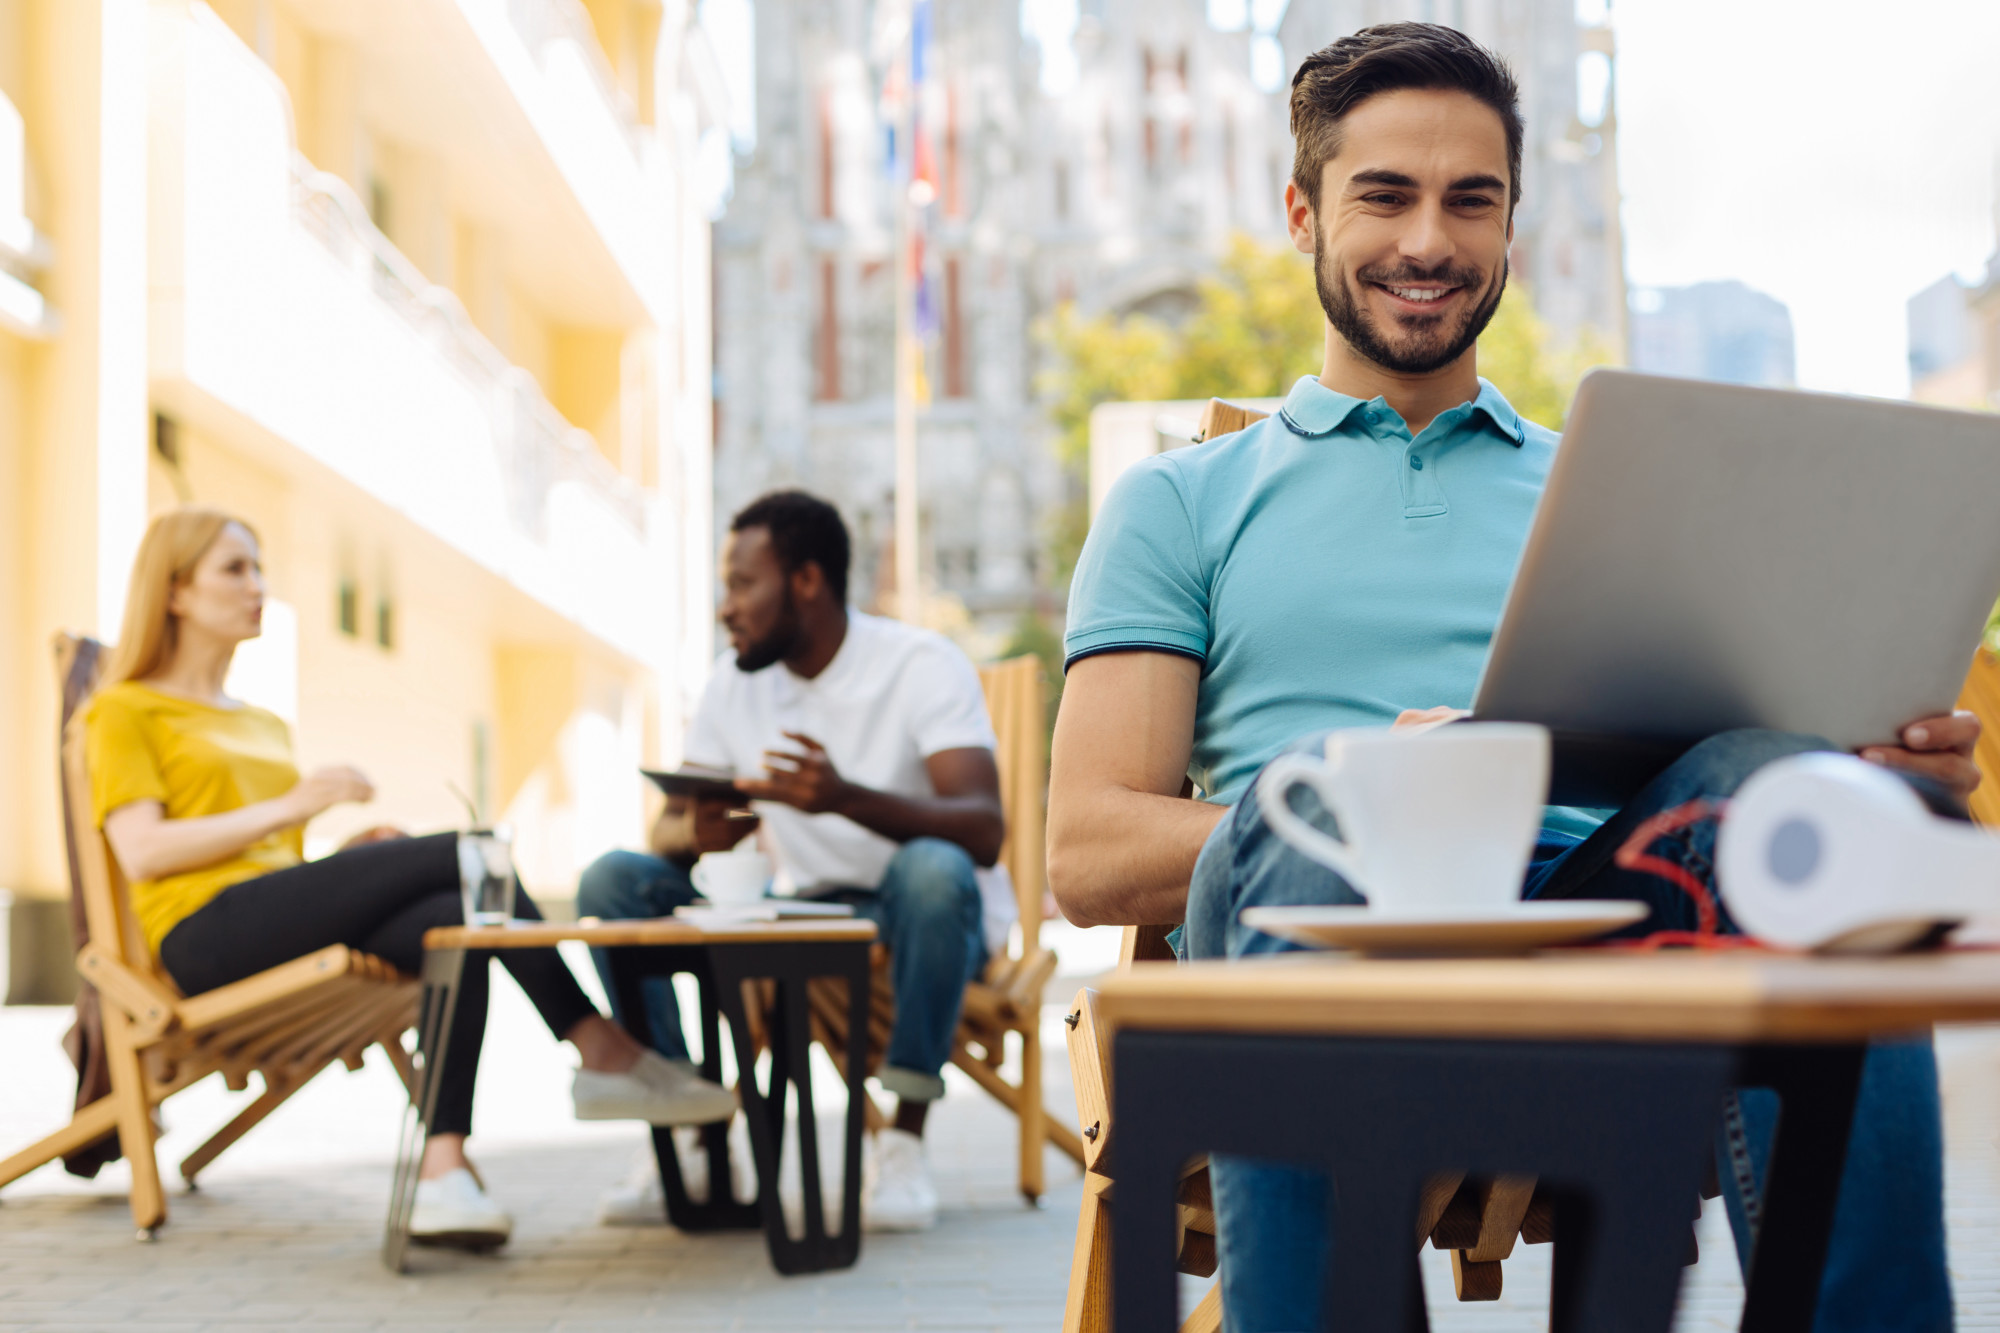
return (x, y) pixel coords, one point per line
(972, 822)
(1119, 857)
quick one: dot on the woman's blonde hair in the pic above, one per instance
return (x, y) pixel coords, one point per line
(174, 544)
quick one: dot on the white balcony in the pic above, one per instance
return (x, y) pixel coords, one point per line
(285, 323)
(515, 99)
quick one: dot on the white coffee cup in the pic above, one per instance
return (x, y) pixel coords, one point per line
(732, 879)
(1443, 820)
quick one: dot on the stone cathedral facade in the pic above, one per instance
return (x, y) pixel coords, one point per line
(1118, 193)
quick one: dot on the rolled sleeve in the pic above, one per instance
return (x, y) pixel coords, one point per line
(1140, 583)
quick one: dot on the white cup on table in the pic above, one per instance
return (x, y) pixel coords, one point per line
(1434, 822)
(732, 879)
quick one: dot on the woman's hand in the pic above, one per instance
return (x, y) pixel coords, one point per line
(324, 788)
(380, 833)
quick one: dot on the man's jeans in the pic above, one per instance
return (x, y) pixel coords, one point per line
(927, 907)
(1885, 1268)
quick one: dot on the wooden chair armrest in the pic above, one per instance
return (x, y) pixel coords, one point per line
(147, 1003)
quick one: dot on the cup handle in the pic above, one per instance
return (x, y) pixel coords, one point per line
(1273, 789)
(695, 877)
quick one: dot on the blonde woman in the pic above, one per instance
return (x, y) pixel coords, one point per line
(205, 810)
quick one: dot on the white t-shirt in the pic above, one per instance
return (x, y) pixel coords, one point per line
(893, 696)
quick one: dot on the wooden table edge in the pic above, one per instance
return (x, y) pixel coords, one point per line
(1707, 999)
(613, 934)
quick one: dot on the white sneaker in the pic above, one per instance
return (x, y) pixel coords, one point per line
(641, 1201)
(656, 1090)
(897, 1193)
(454, 1210)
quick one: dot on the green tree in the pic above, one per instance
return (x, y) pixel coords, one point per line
(1256, 327)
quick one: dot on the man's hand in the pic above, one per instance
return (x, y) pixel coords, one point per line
(805, 780)
(719, 824)
(1939, 748)
(1424, 719)
(688, 828)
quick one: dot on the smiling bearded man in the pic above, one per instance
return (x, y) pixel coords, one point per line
(1343, 564)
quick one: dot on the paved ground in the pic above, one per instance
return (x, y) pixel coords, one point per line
(286, 1227)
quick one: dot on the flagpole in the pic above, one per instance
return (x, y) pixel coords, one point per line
(908, 594)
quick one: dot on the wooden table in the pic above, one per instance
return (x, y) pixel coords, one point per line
(721, 958)
(1601, 1073)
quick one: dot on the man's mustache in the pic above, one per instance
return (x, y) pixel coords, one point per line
(1409, 274)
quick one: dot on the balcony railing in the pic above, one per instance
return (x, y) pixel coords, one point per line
(540, 22)
(538, 448)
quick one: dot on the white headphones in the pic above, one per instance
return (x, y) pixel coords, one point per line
(1825, 851)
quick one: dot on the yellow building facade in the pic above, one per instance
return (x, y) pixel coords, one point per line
(420, 289)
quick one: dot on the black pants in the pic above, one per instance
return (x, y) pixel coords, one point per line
(380, 899)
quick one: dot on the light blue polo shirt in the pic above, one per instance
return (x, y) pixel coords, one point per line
(1326, 569)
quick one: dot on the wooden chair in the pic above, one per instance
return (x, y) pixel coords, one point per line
(1982, 696)
(284, 1025)
(1008, 998)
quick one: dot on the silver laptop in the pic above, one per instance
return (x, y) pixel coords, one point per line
(1707, 557)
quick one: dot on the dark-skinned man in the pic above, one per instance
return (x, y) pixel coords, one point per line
(875, 785)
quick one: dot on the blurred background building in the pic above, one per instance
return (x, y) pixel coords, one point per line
(1955, 341)
(1713, 331)
(420, 289)
(1107, 166)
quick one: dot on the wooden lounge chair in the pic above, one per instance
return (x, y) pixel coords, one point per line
(285, 1025)
(1008, 998)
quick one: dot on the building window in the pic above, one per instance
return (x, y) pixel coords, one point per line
(1062, 191)
(349, 608)
(954, 331)
(828, 352)
(385, 622)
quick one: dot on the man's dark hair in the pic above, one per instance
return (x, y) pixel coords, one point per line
(1335, 79)
(803, 528)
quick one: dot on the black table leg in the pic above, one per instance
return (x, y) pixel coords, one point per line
(631, 968)
(435, 1010)
(1817, 1087)
(791, 966)
(1621, 1132)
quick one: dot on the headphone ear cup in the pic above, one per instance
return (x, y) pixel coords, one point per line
(1810, 846)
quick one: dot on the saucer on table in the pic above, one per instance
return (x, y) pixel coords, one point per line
(1468, 931)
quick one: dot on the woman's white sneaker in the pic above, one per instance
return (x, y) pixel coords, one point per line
(656, 1090)
(454, 1210)
(641, 1201)
(897, 1193)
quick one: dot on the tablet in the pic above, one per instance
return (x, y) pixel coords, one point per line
(694, 780)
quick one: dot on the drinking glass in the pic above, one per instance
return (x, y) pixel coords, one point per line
(486, 877)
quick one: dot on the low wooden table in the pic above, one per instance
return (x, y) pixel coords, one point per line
(1601, 1073)
(790, 953)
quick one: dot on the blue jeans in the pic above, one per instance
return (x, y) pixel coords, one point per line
(927, 907)
(1885, 1267)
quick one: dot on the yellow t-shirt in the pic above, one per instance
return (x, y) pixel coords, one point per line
(195, 759)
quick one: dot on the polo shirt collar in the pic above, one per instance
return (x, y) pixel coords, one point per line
(1501, 413)
(1313, 409)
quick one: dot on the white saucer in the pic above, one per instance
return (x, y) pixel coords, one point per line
(1513, 928)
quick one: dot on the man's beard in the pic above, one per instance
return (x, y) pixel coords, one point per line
(776, 646)
(1431, 348)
